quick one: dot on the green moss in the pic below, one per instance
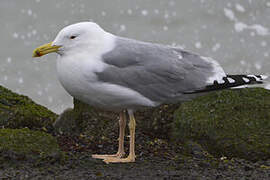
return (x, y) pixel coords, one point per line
(232, 123)
(66, 123)
(156, 122)
(101, 124)
(97, 124)
(265, 167)
(17, 111)
(25, 144)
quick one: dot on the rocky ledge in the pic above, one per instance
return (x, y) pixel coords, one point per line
(221, 135)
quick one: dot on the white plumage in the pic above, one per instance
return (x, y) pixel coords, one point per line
(121, 74)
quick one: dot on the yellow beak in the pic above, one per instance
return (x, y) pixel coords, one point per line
(45, 49)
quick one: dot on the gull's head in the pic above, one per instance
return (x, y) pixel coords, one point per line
(75, 37)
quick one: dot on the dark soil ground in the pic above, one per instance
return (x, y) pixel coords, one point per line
(84, 167)
(156, 159)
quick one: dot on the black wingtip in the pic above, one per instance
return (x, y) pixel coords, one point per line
(231, 81)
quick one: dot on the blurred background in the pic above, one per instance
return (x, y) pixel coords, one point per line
(234, 32)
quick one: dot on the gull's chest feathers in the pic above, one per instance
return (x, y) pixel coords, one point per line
(77, 75)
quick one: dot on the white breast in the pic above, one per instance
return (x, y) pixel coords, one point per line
(76, 73)
(80, 81)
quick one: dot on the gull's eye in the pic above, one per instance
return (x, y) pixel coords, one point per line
(72, 37)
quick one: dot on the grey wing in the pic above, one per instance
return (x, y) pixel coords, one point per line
(160, 73)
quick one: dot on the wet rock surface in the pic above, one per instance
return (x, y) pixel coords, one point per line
(82, 166)
(232, 123)
(28, 145)
(161, 154)
(18, 111)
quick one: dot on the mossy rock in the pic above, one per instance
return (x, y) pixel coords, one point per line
(17, 111)
(98, 123)
(66, 123)
(28, 145)
(232, 123)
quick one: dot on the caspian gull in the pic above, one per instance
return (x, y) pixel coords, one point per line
(119, 74)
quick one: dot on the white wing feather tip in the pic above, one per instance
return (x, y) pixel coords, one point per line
(264, 77)
(260, 78)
